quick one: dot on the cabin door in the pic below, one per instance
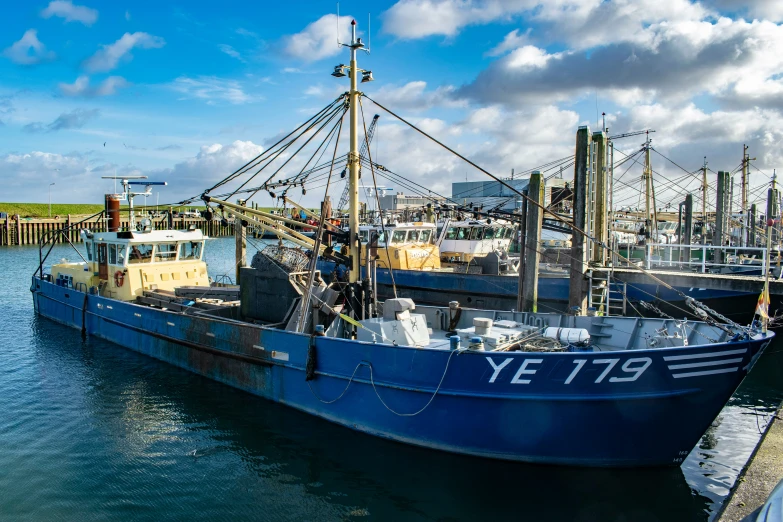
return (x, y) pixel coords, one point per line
(103, 261)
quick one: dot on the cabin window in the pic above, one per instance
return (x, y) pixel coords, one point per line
(463, 233)
(413, 236)
(489, 233)
(166, 252)
(121, 254)
(452, 233)
(499, 232)
(191, 250)
(509, 233)
(398, 236)
(89, 251)
(140, 254)
(424, 237)
(112, 254)
(475, 233)
(364, 236)
(379, 235)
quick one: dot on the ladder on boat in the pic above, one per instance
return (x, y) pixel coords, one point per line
(607, 297)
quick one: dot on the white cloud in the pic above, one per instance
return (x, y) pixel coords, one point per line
(421, 18)
(210, 165)
(227, 49)
(81, 87)
(415, 96)
(71, 13)
(109, 56)
(512, 41)
(318, 40)
(127, 16)
(211, 89)
(28, 50)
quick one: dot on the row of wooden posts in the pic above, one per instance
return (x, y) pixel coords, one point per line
(28, 231)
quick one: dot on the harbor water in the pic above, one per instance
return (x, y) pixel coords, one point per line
(93, 431)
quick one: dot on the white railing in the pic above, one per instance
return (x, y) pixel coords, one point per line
(659, 255)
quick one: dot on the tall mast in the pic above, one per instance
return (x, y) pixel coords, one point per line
(649, 204)
(353, 159)
(704, 202)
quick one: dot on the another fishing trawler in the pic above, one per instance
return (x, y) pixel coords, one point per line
(506, 385)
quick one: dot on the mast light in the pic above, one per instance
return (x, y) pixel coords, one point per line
(367, 77)
(339, 71)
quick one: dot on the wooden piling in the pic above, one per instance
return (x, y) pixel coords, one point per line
(601, 218)
(721, 213)
(527, 296)
(577, 292)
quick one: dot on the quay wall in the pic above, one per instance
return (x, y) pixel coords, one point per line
(15, 230)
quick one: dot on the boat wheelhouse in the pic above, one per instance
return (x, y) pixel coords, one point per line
(122, 265)
(465, 240)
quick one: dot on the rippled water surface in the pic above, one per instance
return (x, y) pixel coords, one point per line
(92, 431)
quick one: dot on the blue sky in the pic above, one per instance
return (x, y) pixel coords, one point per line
(187, 92)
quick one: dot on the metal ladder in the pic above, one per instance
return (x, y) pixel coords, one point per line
(607, 297)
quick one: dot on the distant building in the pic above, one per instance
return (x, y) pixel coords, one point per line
(400, 201)
(490, 193)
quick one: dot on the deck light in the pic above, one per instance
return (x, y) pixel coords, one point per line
(367, 77)
(339, 71)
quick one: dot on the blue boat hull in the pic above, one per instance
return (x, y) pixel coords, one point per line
(630, 408)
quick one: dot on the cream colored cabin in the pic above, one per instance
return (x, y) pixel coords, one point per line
(122, 265)
(410, 245)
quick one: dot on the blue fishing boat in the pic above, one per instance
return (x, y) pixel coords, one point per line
(530, 387)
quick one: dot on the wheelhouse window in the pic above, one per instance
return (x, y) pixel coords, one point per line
(463, 233)
(165, 252)
(499, 232)
(509, 233)
(364, 236)
(89, 251)
(424, 237)
(112, 254)
(451, 233)
(121, 254)
(413, 236)
(475, 233)
(489, 233)
(140, 254)
(398, 236)
(190, 250)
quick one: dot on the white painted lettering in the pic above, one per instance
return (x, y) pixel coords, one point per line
(498, 367)
(579, 363)
(609, 365)
(636, 370)
(524, 371)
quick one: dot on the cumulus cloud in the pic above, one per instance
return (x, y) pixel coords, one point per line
(415, 96)
(210, 165)
(75, 119)
(421, 18)
(212, 89)
(680, 61)
(82, 87)
(512, 40)
(318, 40)
(70, 13)
(28, 50)
(109, 56)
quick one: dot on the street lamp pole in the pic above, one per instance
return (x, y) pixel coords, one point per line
(50, 199)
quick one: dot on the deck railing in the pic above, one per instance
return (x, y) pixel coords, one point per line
(707, 258)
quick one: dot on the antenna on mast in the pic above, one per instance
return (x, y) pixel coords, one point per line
(369, 34)
(339, 44)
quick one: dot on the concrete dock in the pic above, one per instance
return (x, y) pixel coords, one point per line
(759, 477)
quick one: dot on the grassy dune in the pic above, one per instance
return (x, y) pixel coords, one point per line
(42, 209)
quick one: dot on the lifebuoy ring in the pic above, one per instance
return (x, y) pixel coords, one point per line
(119, 278)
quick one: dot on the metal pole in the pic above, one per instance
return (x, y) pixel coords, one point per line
(50, 199)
